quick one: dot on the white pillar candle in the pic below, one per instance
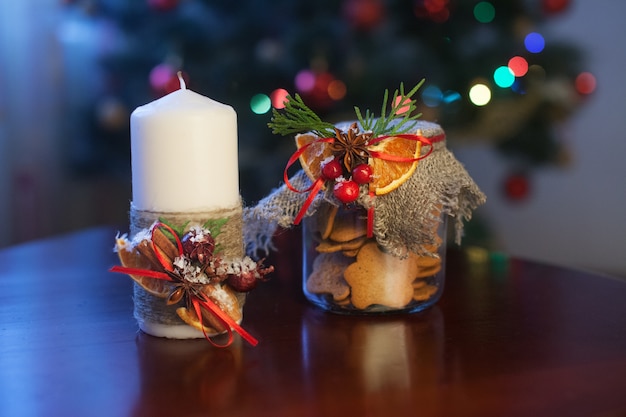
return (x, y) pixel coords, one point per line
(184, 154)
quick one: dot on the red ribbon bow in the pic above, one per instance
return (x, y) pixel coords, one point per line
(198, 299)
(318, 184)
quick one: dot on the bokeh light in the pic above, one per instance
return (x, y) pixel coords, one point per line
(260, 103)
(435, 6)
(484, 12)
(534, 42)
(336, 89)
(585, 83)
(503, 77)
(537, 72)
(305, 81)
(450, 96)
(518, 65)
(404, 103)
(364, 14)
(432, 96)
(160, 75)
(555, 6)
(480, 94)
(436, 10)
(518, 87)
(278, 98)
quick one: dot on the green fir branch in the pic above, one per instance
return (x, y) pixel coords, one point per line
(215, 226)
(180, 230)
(383, 124)
(218, 248)
(297, 117)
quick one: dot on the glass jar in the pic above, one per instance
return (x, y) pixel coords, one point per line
(347, 272)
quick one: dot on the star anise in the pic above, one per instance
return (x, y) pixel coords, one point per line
(182, 289)
(351, 147)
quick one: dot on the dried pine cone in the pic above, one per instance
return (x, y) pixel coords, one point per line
(198, 245)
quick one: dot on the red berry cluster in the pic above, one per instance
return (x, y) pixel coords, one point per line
(346, 190)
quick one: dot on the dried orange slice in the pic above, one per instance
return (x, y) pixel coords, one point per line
(225, 299)
(130, 257)
(389, 175)
(312, 157)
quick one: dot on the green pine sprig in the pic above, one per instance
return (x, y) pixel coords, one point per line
(180, 229)
(215, 227)
(382, 125)
(297, 117)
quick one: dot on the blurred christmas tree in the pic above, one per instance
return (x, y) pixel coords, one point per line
(490, 74)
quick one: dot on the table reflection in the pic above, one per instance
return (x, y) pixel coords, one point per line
(191, 374)
(383, 358)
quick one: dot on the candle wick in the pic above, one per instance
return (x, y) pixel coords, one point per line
(183, 86)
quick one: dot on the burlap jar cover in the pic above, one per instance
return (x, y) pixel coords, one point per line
(406, 222)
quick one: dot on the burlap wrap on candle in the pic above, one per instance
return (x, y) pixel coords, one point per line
(151, 309)
(404, 219)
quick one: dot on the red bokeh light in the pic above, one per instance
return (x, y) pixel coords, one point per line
(585, 83)
(518, 65)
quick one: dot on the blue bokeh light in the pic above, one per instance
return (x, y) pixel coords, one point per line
(534, 42)
(432, 96)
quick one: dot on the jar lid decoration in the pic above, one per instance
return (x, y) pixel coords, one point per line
(394, 166)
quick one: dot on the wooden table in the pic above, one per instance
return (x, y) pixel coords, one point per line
(508, 338)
